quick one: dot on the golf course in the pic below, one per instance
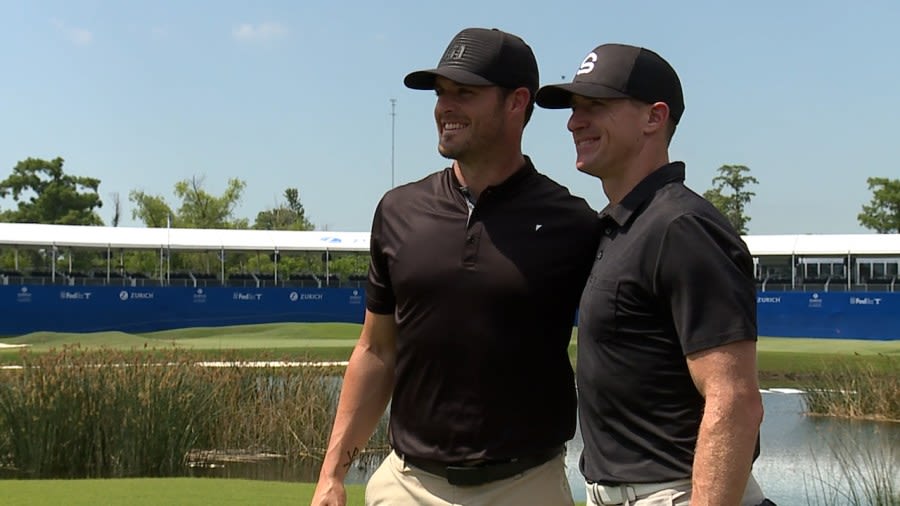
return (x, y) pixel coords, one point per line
(783, 362)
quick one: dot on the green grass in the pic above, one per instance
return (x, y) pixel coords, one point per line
(306, 335)
(320, 341)
(157, 491)
(782, 361)
(170, 491)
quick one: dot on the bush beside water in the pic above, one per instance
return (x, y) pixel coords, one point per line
(75, 413)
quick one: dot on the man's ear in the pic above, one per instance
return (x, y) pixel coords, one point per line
(657, 117)
(520, 98)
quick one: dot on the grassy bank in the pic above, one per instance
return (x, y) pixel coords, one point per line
(869, 390)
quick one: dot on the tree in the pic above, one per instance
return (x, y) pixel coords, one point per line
(883, 212)
(199, 209)
(288, 216)
(729, 195)
(46, 194)
(152, 210)
(116, 208)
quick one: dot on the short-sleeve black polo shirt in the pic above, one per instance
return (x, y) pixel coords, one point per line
(671, 277)
(485, 306)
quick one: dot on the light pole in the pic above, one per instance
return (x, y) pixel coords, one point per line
(393, 117)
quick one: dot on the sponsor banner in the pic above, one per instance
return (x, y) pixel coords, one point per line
(30, 308)
(843, 315)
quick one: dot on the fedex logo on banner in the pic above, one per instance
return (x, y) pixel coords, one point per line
(247, 296)
(66, 295)
(865, 301)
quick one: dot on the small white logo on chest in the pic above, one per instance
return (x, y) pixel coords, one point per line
(537, 227)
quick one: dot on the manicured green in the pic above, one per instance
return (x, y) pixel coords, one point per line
(780, 359)
(169, 491)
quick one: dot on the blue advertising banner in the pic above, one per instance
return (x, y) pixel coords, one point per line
(841, 315)
(29, 308)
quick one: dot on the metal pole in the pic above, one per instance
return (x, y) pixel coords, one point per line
(393, 117)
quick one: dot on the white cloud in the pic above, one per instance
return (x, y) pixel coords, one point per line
(78, 36)
(260, 31)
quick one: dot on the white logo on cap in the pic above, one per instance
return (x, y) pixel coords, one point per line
(587, 65)
(458, 52)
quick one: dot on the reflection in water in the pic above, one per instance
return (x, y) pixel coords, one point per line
(796, 454)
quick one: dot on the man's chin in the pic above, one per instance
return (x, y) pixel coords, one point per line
(585, 169)
(446, 152)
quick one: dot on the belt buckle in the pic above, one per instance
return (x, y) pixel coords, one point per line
(611, 495)
(465, 476)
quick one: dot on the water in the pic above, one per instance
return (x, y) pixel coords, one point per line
(799, 453)
(796, 454)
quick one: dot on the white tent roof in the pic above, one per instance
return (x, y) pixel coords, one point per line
(826, 244)
(38, 235)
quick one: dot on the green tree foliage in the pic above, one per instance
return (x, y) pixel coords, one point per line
(288, 216)
(200, 209)
(883, 212)
(152, 210)
(44, 193)
(730, 196)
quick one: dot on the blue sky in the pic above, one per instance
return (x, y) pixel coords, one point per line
(297, 94)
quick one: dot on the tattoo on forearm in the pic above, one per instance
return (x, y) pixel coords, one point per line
(350, 456)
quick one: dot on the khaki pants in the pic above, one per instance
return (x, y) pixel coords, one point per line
(675, 496)
(395, 483)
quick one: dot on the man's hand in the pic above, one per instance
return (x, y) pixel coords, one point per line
(329, 493)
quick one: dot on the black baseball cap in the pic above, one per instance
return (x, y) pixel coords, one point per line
(483, 57)
(619, 71)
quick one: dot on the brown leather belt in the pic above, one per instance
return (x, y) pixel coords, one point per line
(484, 472)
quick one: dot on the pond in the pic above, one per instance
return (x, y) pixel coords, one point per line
(798, 454)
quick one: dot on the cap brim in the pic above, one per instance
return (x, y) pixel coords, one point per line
(424, 79)
(559, 96)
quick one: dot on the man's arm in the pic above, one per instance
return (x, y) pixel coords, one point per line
(726, 376)
(368, 383)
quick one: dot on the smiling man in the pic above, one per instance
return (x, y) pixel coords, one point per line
(475, 275)
(667, 390)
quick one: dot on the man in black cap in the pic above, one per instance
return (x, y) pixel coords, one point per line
(667, 382)
(475, 276)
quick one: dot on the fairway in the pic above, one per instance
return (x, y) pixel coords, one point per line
(269, 336)
(779, 358)
(828, 346)
(300, 335)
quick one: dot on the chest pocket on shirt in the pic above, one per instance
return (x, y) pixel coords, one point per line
(598, 311)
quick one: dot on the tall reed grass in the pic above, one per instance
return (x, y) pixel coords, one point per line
(857, 390)
(855, 476)
(104, 413)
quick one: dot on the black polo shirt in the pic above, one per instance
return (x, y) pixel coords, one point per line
(671, 277)
(485, 306)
